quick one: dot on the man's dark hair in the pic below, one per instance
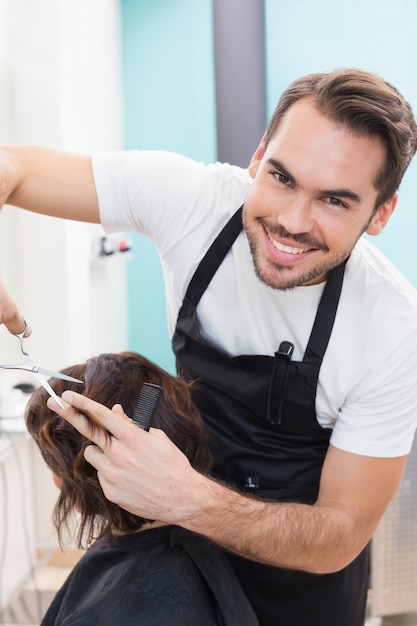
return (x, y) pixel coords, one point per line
(365, 105)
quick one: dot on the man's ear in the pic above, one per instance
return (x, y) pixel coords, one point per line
(381, 217)
(257, 157)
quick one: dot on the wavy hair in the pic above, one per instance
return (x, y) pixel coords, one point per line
(109, 379)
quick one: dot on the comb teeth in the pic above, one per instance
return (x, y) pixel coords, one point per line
(147, 404)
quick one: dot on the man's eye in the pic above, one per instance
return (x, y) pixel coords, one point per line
(282, 178)
(335, 201)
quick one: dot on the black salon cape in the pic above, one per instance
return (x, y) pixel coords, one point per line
(159, 577)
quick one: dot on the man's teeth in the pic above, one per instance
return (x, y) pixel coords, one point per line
(287, 249)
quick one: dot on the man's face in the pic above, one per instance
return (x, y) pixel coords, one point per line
(312, 197)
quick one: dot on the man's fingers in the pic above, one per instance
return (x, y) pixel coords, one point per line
(79, 421)
(10, 316)
(78, 406)
(17, 324)
(95, 456)
(118, 410)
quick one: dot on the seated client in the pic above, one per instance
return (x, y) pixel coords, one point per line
(135, 571)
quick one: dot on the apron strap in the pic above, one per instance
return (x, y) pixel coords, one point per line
(325, 316)
(326, 312)
(213, 258)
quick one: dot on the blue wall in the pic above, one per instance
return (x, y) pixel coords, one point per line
(306, 36)
(170, 103)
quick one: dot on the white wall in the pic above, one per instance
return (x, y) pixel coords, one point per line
(60, 85)
(62, 77)
(17, 544)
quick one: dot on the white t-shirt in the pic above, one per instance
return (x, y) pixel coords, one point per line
(367, 391)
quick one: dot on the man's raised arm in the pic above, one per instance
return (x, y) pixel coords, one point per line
(49, 181)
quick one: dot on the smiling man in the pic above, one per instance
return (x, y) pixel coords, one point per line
(314, 194)
(301, 335)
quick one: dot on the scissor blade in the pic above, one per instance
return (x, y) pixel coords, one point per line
(53, 374)
(48, 388)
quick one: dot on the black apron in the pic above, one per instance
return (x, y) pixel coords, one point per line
(265, 438)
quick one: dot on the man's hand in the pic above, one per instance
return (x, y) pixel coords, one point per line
(10, 316)
(143, 472)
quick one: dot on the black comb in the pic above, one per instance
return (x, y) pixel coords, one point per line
(147, 404)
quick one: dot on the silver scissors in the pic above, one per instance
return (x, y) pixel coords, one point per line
(29, 366)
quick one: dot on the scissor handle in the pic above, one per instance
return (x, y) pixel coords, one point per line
(21, 336)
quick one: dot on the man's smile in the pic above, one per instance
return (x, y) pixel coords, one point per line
(288, 249)
(290, 246)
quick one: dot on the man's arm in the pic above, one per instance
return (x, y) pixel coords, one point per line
(49, 181)
(147, 475)
(325, 537)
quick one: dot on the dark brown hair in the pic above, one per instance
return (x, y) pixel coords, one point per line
(109, 379)
(366, 105)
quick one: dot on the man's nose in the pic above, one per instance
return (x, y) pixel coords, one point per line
(296, 216)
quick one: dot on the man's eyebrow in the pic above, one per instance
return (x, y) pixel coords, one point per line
(283, 170)
(341, 193)
(348, 194)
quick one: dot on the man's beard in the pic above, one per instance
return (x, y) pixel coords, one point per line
(279, 276)
(284, 284)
